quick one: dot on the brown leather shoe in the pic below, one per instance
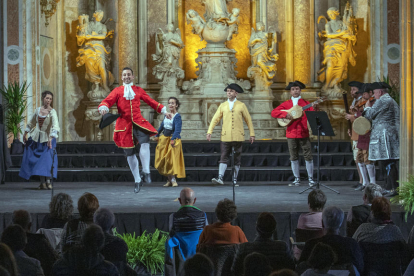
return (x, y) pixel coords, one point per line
(42, 186)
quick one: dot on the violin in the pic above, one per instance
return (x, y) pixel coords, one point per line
(362, 103)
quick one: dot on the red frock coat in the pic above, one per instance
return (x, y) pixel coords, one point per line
(130, 113)
(298, 128)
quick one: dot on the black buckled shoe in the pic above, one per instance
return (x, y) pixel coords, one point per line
(146, 177)
(137, 187)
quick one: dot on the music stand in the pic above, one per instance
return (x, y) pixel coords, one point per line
(320, 125)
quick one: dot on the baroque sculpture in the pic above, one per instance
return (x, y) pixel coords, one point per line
(168, 48)
(262, 46)
(338, 50)
(216, 63)
(95, 55)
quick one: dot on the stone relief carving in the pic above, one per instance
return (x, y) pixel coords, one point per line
(94, 54)
(340, 36)
(168, 48)
(262, 46)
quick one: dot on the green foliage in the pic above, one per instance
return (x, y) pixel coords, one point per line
(148, 249)
(406, 196)
(16, 104)
(395, 89)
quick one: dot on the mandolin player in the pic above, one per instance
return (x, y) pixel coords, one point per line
(297, 132)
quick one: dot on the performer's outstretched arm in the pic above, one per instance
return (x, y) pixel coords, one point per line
(109, 101)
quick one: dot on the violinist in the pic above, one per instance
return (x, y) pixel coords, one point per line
(366, 166)
(356, 94)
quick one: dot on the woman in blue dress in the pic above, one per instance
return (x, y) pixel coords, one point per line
(39, 152)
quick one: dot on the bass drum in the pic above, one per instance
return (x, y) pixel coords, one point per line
(361, 125)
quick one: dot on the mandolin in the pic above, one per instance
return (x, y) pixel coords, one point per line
(296, 112)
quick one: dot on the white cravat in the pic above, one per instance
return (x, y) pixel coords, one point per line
(296, 100)
(128, 92)
(231, 103)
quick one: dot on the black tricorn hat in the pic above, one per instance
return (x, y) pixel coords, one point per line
(379, 85)
(295, 83)
(108, 119)
(366, 87)
(235, 87)
(357, 84)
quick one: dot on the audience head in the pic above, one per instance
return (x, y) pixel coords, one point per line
(371, 191)
(332, 218)
(381, 209)
(199, 265)
(87, 206)
(15, 237)
(93, 238)
(322, 257)
(256, 264)
(187, 197)
(61, 206)
(284, 272)
(104, 218)
(22, 218)
(316, 200)
(7, 261)
(266, 225)
(226, 210)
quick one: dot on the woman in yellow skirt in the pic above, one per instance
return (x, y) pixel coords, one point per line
(169, 158)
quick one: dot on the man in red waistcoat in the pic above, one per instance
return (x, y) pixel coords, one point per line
(131, 127)
(365, 165)
(297, 132)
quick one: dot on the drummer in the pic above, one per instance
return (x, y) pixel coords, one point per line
(366, 167)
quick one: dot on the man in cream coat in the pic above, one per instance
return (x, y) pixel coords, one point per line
(232, 133)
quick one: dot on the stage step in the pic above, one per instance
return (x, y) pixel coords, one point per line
(261, 161)
(194, 175)
(118, 160)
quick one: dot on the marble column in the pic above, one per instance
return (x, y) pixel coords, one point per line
(407, 89)
(289, 8)
(128, 37)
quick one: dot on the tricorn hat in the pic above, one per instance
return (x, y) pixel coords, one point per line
(108, 119)
(235, 87)
(357, 84)
(295, 83)
(379, 85)
(366, 87)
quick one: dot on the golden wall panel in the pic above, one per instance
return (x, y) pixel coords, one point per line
(276, 18)
(192, 42)
(301, 45)
(241, 40)
(157, 18)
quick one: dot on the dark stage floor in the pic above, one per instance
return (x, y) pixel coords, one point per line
(154, 198)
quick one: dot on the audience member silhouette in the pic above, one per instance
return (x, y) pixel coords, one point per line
(37, 246)
(7, 261)
(86, 259)
(313, 219)
(320, 260)
(199, 265)
(60, 211)
(15, 237)
(256, 264)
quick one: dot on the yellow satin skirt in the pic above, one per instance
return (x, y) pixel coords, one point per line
(169, 160)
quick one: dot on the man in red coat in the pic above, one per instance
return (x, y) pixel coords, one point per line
(131, 127)
(297, 132)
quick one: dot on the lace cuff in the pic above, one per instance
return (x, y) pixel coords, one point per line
(103, 107)
(164, 110)
(53, 133)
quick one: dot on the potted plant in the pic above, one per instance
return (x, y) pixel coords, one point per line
(15, 98)
(405, 196)
(146, 252)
